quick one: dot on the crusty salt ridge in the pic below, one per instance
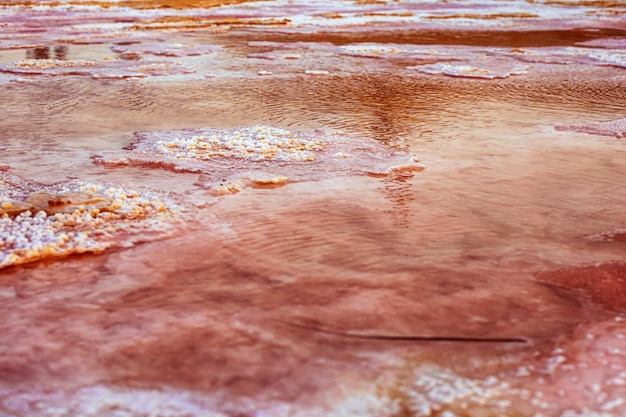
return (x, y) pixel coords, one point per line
(174, 50)
(38, 221)
(427, 53)
(97, 69)
(615, 128)
(232, 159)
(488, 69)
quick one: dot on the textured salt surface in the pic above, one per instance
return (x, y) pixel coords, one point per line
(582, 376)
(615, 128)
(97, 69)
(568, 55)
(39, 221)
(488, 69)
(608, 57)
(160, 49)
(291, 50)
(231, 159)
(412, 52)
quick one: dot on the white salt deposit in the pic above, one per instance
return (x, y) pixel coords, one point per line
(231, 159)
(615, 128)
(97, 69)
(38, 222)
(487, 69)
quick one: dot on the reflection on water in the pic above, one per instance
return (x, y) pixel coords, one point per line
(56, 52)
(513, 230)
(510, 39)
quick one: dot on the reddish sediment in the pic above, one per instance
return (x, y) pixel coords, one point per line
(362, 288)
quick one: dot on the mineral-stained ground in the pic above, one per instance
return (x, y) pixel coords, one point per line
(312, 208)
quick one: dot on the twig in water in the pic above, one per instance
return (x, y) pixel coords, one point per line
(406, 338)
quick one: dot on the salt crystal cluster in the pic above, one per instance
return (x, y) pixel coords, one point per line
(231, 159)
(582, 375)
(38, 222)
(254, 143)
(441, 392)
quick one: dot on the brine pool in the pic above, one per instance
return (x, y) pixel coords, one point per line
(294, 209)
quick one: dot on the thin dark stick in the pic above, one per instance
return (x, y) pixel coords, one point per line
(407, 338)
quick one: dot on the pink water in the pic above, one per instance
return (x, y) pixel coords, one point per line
(309, 298)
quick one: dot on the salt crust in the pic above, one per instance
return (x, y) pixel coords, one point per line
(486, 70)
(264, 156)
(109, 216)
(165, 49)
(97, 69)
(407, 51)
(615, 128)
(568, 55)
(102, 401)
(582, 376)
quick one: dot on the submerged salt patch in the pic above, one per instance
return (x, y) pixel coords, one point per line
(580, 375)
(548, 55)
(437, 391)
(617, 235)
(488, 69)
(165, 49)
(110, 400)
(407, 51)
(97, 69)
(610, 43)
(38, 221)
(609, 57)
(232, 159)
(615, 128)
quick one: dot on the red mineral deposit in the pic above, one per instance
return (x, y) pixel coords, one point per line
(215, 208)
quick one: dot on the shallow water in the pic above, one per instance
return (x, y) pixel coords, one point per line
(310, 298)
